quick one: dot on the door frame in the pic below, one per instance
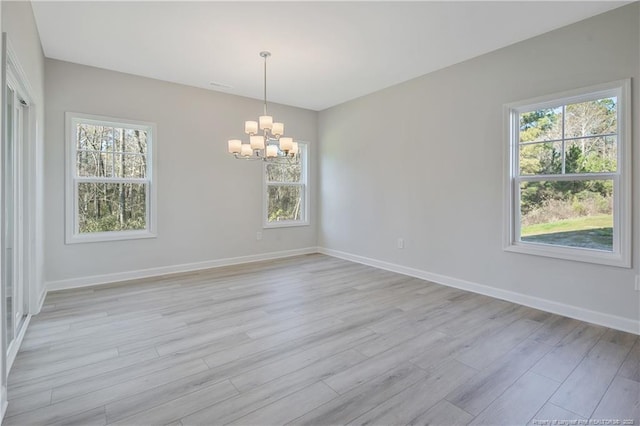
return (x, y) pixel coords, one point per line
(31, 197)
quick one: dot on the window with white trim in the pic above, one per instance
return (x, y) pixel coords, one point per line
(286, 192)
(110, 192)
(569, 175)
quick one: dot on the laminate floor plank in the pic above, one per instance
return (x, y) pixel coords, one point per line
(567, 354)
(271, 348)
(57, 412)
(631, 367)
(364, 397)
(73, 338)
(452, 346)
(620, 338)
(82, 375)
(152, 397)
(491, 348)
(288, 408)
(519, 403)
(374, 366)
(586, 385)
(94, 417)
(287, 364)
(46, 326)
(552, 414)
(38, 370)
(311, 340)
(403, 407)
(198, 339)
(28, 402)
(554, 330)
(389, 340)
(621, 402)
(486, 386)
(181, 406)
(443, 413)
(113, 378)
(261, 396)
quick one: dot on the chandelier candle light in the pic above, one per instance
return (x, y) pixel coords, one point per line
(271, 144)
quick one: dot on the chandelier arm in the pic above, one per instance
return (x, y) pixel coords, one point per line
(248, 158)
(279, 159)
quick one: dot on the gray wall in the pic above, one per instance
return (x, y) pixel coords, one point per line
(209, 205)
(424, 161)
(19, 24)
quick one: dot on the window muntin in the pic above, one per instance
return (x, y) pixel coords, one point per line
(569, 179)
(110, 192)
(286, 191)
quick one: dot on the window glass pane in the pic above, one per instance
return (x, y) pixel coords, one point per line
(591, 155)
(105, 167)
(568, 213)
(94, 164)
(541, 125)
(135, 141)
(284, 172)
(106, 207)
(88, 163)
(82, 137)
(89, 136)
(106, 138)
(130, 165)
(543, 158)
(284, 202)
(98, 138)
(591, 118)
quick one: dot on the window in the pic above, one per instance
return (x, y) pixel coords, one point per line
(569, 175)
(110, 191)
(286, 191)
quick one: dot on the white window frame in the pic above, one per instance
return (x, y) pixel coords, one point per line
(304, 183)
(72, 233)
(621, 254)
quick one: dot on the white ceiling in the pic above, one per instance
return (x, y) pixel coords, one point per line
(324, 53)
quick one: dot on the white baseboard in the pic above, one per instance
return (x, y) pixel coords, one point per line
(40, 304)
(607, 320)
(3, 403)
(173, 269)
(12, 352)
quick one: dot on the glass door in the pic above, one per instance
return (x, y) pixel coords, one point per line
(12, 206)
(8, 219)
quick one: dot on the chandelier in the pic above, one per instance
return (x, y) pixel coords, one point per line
(271, 144)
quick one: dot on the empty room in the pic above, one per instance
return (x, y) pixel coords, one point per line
(320, 213)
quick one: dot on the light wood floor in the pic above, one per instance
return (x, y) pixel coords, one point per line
(313, 340)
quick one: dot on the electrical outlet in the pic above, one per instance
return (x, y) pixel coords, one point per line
(637, 282)
(258, 236)
(400, 243)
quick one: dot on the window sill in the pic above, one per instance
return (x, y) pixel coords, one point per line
(109, 236)
(285, 224)
(570, 253)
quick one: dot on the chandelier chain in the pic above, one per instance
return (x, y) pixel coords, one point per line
(265, 84)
